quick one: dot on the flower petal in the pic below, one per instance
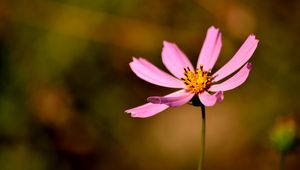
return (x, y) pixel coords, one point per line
(239, 59)
(150, 109)
(175, 99)
(210, 100)
(211, 49)
(146, 110)
(235, 81)
(150, 73)
(175, 60)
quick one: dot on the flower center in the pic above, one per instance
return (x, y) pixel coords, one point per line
(197, 81)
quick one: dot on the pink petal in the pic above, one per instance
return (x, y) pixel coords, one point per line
(235, 81)
(175, 99)
(146, 110)
(175, 60)
(239, 59)
(148, 72)
(150, 109)
(210, 100)
(211, 49)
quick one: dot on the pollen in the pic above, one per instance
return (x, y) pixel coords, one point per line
(197, 81)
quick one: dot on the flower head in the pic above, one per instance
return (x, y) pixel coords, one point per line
(199, 82)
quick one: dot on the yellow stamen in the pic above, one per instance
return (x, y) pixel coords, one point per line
(197, 81)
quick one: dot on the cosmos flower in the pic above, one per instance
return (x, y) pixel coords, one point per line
(199, 82)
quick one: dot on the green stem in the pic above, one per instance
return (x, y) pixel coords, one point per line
(281, 166)
(202, 151)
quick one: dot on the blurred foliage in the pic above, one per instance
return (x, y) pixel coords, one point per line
(284, 135)
(65, 83)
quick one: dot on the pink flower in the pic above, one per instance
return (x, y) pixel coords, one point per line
(199, 82)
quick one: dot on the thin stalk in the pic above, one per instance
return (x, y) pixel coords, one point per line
(281, 164)
(202, 151)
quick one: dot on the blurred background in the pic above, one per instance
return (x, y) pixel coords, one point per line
(65, 84)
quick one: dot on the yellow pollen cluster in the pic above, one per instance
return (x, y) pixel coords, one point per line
(197, 81)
